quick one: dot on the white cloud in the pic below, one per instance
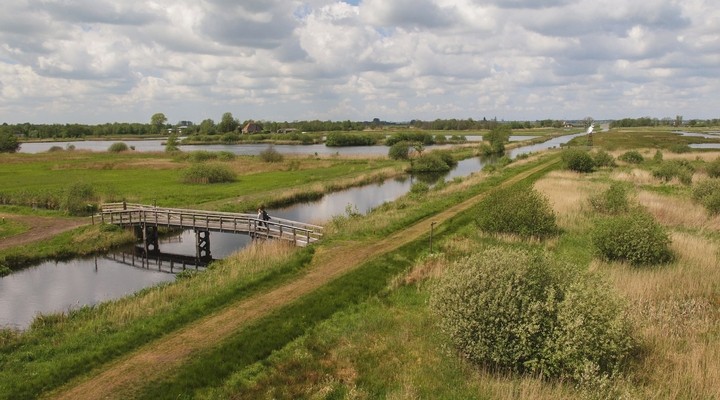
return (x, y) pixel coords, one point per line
(111, 60)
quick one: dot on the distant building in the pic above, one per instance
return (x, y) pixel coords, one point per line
(286, 130)
(251, 127)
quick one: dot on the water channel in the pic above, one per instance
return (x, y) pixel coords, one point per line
(61, 286)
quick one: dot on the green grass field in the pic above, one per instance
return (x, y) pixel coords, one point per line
(369, 334)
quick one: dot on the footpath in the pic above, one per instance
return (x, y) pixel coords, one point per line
(120, 378)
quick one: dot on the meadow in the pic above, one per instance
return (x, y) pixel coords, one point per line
(369, 333)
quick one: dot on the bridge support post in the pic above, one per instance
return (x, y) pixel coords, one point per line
(202, 244)
(150, 238)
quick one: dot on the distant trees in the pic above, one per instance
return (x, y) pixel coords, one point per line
(228, 123)
(496, 139)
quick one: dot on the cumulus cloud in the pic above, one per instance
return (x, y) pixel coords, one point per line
(106, 60)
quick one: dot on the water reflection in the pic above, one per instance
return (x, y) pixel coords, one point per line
(61, 286)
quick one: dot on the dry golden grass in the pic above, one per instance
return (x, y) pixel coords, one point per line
(242, 265)
(636, 176)
(675, 211)
(568, 193)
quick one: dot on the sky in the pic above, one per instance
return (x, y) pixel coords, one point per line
(99, 61)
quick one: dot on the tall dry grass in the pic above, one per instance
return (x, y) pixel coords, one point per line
(678, 212)
(240, 266)
(568, 193)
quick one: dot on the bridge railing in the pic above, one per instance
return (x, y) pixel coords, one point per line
(279, 228)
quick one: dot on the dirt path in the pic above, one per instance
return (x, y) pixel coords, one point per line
(120, 378)
(40, 228)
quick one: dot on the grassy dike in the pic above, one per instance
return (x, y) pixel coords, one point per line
(53, 352)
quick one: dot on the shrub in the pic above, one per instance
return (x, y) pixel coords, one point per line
(429, 162)
(658, 157)
(707, 193)
(419, 188)
(578, 160)
(713, 168)
(78, 199)
(603, 159)
(118, 147)
(336, 139)
(225, 156)
(635, 238)
(668, 170)
(680, 148)
(632, 157)
(520, 311)
(8, 142)
(202, 156)
(414, 137)
(517, 210)
(55, 149)
(399, 151)
(208, 173)
(447, 158)
(612, 201)
(271, 155)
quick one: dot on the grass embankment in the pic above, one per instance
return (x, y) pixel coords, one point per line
(54, 363)
(637, 138)
(387, 347)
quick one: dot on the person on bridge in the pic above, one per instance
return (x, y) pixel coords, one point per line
(262, 216)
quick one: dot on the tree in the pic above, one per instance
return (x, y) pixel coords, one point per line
(172, 144)
(497, 137)
(8, 142)
(207, 127)
(228, 123)
(158, 121)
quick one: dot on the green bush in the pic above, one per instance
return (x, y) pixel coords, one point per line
(612, 201)
(713, 168)
(632, 157)
(202, 156)
(78, 199)
(208, 173)
(429, 162)
(578, 160)
(8, 142)
(337, 139)
(419, 188)
(658, 157)
(603, 159)
(707, 193)
(635, 238)
(411, 137)
(447, 157)
(521, 311)
(271, 155)
(667, 170)
(118, 147)
(680, 148)
(517, 210)
(399, 151)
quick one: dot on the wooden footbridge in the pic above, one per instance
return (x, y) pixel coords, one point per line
(148, 218)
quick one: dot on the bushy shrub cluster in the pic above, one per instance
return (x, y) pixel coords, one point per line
(634, 237)
(337, 139)
(429, 162)
(399, 151)
(707, 193)
(680, 148)
(681, 169)
(519, 210)
(603, 159)
(208, 173)
(632, 157)
(578, 160)
(412, 137)
(520, 311)
(713, 168)
(79, 199)
(614, 200)
(271, 155)
(118, 147)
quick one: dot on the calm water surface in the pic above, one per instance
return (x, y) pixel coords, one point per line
(62, 286)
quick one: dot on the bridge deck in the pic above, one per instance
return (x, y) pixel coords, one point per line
(126, 214)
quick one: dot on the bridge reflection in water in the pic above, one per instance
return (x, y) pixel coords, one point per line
(158, 261)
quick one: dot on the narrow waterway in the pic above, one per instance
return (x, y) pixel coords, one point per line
(61, 286)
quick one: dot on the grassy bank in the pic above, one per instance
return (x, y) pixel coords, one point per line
(57, 348)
